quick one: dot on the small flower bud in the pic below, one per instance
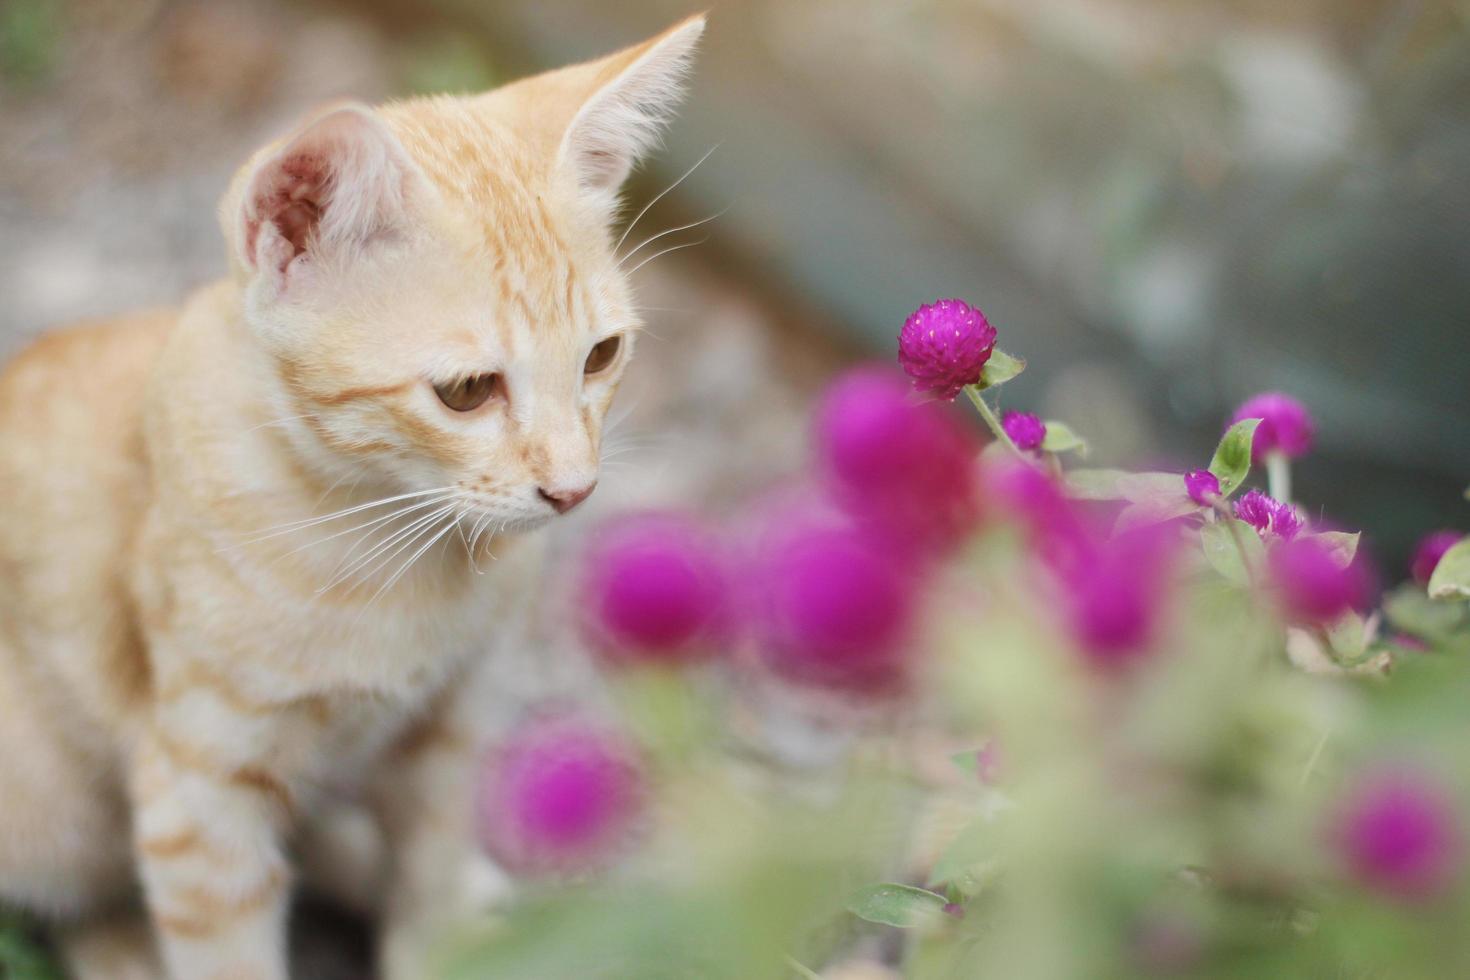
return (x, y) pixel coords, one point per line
(1026, 430)
(1202, 486)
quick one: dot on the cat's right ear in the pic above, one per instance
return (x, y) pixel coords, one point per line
(342, 183)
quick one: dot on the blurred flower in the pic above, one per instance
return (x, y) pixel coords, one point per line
(944, 346)
(905, 469)
(1429, 551)
(1398, 834)
(1026, 430)
(1027, 493)
(1114, 598)
(1285, 425)
(830, 609)
(654, 588)
(1269, 516)
(1202, 486)
(558, 796)
(1315, 588)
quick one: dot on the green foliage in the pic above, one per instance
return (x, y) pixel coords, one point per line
(890, 904)
(1451, 578)
(21, 956)
(30, 39)
(1232, 460)
(1001, 367)
(1233, 549)
(1061, 439)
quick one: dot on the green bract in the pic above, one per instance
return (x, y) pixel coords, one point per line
(1001, 368)
(1232, 461)
(1451, 578)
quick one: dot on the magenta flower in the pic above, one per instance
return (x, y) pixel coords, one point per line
(831, 609)
(654, 589)
(944, 346)
(1314, 587)
(560, 795)
(1202, 486)
(1399, 834)
(1114, 599)
(906, 470)
(1285, 425)
(1429, 551)
(1270, 517)
(1056, 531)
(1026, 430)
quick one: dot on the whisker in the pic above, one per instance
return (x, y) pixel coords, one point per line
(666, 251)
(278, 529)
(653, 238)
(417, 525)
(402, 569)
(376, 520)
(282, 421)
(659, 196)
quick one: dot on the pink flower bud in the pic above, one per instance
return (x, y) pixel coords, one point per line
(1026, 430)
(905, 470)
(1202, 486)
(1285, 425)
(831, 609)
(654, 588)
(1399, 834)
(558, 796)
(1429, 551)
(1270, 517)
(1314, 587)
(944, 346)
(1114, 596)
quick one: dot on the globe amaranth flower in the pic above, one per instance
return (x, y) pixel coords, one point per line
(1285, 427)
(905, 470)
(830, 609)
(560, 795)
(1114, 600)
(1429, 551)
(1398, 833)
(1314, 586)
(1270, 517)
(1027, 431)
(945, 345)
(654, 589)
(1055, 529)
(1202, 486)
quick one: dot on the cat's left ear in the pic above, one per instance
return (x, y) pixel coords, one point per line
(633, 96)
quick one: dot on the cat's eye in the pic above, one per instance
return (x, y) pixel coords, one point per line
(468, 394)
(603, 355)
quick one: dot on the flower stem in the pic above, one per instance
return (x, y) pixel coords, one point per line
(1278, 476)
(988, 414)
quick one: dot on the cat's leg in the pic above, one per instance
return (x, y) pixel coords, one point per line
(114, 947)
(438, 878)
(207, 828)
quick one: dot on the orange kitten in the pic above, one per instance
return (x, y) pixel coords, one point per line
(239, 541)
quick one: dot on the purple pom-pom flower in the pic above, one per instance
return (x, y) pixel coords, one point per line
(1114, 599)
(1314, 586)
(1027, 431)
(945, 345)
(903, 469)
(560, 795)
(654, 588)
(1429, 551)
(1398, 833)
(831, 609)
(1270, 517)
(1285, 428)
(1202, 486)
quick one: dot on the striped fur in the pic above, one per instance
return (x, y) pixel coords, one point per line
(196, 658)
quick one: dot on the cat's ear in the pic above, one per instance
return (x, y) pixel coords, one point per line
(630, 97)
(342, 182)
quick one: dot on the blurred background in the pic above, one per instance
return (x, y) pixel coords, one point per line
(1164, 205)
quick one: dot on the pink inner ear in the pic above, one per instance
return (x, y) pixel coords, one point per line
(292, 199)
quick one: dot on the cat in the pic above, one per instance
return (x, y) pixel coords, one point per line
(240, 539)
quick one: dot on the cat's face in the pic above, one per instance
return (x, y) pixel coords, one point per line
(435, 284)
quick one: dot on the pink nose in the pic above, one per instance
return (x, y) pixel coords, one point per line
(564, 500)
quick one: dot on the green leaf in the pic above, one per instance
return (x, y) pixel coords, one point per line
(1061, 439)
(1348, 638)
(1157, 511)
(1122, 485)
(892, 904)
(1341, 545)
(1451, 578)
(1232, 462)
(1224, 550)
(1001, 368)
(1410, 610)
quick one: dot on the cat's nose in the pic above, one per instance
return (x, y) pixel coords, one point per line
(564, 500)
